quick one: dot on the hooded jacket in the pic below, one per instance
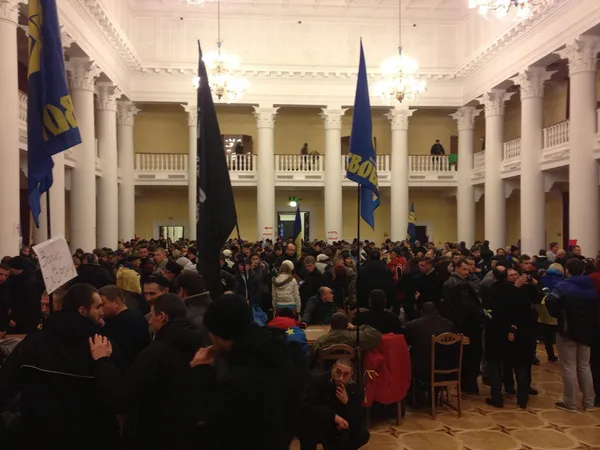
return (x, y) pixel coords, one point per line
(285, 292)
(159, 385)
(575, 303)
(60, 403)
(196, 309)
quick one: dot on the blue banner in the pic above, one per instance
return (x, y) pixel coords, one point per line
(51, 124)
(362, 163)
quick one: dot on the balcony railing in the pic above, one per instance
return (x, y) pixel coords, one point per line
(383, 163)
(161, 162)
(479, 160)
(429, 163)
(557, 134)
(295, 163)
(512, 149)
(241, 163)
(23, 106)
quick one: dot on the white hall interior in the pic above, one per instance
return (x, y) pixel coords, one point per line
(529, 88)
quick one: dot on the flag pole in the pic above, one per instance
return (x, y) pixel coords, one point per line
(48, 221)
(358, 260)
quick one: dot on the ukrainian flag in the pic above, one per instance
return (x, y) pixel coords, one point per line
(411, 231)
(298, 233)
(51, 124)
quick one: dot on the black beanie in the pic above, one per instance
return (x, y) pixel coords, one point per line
(228, 317)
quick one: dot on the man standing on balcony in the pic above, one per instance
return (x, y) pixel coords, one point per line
(437, 149)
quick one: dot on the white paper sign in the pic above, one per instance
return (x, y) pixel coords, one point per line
(56, 262)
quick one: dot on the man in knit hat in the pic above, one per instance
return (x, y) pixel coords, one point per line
(246, 365)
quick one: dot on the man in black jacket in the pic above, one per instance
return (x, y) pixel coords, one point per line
(461, 305)
(377, 316)
(332, 413)
(53, 371)
(192, 289)
(253, 372)
(320, 308)
(159, 382)
(375, 274)
(91, 272)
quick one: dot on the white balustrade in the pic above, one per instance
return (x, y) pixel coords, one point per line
(512, 149)
(383, 163)
(479, 160)
(23, 106)
(299, 163)
(556, 134)
(430, 163)
(241, 163)
(161, 162)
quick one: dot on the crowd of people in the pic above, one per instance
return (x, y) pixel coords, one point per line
(136, 353)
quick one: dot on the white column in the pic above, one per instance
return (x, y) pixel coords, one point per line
(9, 131)
(583, 168)
(495, 200)
(465, 193)
(399, 165)
(108, 186)
(192, 112)
(82, 75)
(265, 192)
(126, 112)
(332, 118)
(533, 193)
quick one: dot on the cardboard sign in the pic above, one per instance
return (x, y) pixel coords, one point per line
(56, 262)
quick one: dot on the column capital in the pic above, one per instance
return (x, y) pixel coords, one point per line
(532, 81)
(582, 54)
(65, 37)
(9, 11)
(82, 73)
(465, 117)
(265, 117)
(107, 96)
(332, 117)
(192, 114)
(126, 112)
(493, 101)
(399, 118)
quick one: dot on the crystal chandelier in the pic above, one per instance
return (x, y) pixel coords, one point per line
(501, 8)
(221, 68)
(400, 75)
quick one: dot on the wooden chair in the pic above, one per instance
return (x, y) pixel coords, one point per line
(450, 375)
(328, 355)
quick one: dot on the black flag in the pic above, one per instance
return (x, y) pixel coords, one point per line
(215, 208)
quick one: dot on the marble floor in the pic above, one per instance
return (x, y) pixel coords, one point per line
(483, 427)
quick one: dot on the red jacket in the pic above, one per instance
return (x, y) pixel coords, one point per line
(283, 322)
(387, 371)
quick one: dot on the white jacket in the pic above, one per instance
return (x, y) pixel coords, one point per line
(286, 293)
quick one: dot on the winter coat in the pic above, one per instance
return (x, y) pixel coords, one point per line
(196, 306)
(167, 420)
(285, 292)
(375, 275)
(548, 281)
(575, 303)
(461, 305)
(61, 406)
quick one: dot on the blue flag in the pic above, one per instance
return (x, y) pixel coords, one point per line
(362, 164)
(411, 231)
(51, 124)
(298, 233)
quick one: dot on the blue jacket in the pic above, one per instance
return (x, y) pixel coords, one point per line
(575, 303)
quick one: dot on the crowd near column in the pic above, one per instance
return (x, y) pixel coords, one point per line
(9, 129)
(495, 201)
(192, 116)
(126, 112)
(332, 117)
(108, 187)
(265, 191)
(533, 193)
(465, 192)
(583, 168)
(399, 171)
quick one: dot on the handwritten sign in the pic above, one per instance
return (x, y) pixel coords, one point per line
(56, 262)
